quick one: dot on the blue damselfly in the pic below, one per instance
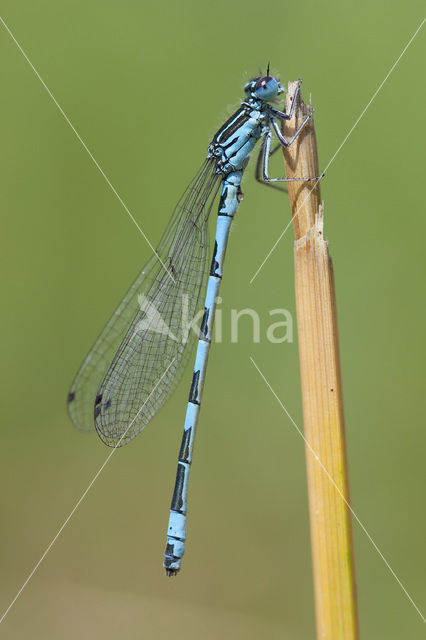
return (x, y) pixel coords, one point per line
(138, 358)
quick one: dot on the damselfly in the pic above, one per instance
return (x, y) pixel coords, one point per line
(138, 358)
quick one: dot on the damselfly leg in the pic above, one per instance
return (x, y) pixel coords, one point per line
(258, 172)
(265, 152)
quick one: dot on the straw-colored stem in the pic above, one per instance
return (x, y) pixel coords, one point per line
(330, 518)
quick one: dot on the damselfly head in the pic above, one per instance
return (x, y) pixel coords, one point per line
(263, 88)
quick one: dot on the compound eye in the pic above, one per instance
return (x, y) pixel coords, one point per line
(262, 82)
(267, 88)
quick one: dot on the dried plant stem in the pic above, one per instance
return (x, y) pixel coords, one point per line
(330, 518)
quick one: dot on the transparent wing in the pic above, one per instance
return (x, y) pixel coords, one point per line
(138, 358)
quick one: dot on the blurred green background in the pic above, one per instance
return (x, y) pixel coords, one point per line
(146, 84)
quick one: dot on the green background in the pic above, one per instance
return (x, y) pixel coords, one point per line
(146, 84)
